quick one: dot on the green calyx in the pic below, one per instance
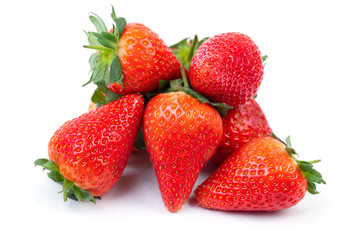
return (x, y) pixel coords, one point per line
(105, 64)
(184, 86)
(186, 48)
(264, 58)
(312, 176)
(70, 190)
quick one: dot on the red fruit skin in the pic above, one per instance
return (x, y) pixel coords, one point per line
(241, 124)
(181, 135)
(227, 68)
(145, 59)
(92, 150)
(260, 176)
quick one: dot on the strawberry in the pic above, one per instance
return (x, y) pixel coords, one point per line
(181, 134)
(131, 58)
(227, 68)
(89, 153)
(263, 175)
(241, 125)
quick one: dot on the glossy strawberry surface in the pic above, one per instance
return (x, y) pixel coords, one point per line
(92, 150)
(181, 134)
(260, 176)
(145, 59)
(227, 68)
(241, 124)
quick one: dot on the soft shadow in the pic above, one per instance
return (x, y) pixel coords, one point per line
(138, 171)
(192, 202)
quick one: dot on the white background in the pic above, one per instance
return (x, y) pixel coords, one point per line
(310, 91)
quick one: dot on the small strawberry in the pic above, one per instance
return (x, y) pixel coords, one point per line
(89, 153)
(131, 58)
(181, 134)
(241, 125)
(227, 68)
(263, 175)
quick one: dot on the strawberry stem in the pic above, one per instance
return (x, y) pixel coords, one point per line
(184, 86)
(193, 48)
(185, 49)
(184, 78)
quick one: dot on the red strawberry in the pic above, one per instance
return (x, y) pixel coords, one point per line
(227, 68)
(263, 175)
(181, 134)
(241, 125)
(89, 153)
(131, 58)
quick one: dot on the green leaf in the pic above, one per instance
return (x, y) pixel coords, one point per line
(86, 196)
(120, 25)
(98, 22)
(113, 14)
(264, 58)
(49, 165)
(93, 60)
(56, 176)
(77, 193)
(291, 151)
(111, 96)
(312, 176)
(109, 37)
(203, 99)
(311, 187)
(92, 39)
(104, 39)
(288, 142)
(176, 84)
(116, 71)
(305, 166)
(222, 108)
(185, 49)
(98, 97)
(180, 44)
(41, 161)
(67, 186)
(98, 74)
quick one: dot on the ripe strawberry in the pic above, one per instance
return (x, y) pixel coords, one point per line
(263, 175)
(181, 135)
(227, 68)
(241, 125)
(129, 59)
(89, 153)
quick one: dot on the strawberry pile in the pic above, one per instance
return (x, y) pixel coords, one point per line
(186, 104)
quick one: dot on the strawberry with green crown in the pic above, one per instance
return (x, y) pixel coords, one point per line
(130, 58)
(89, 153)
(262, 175)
